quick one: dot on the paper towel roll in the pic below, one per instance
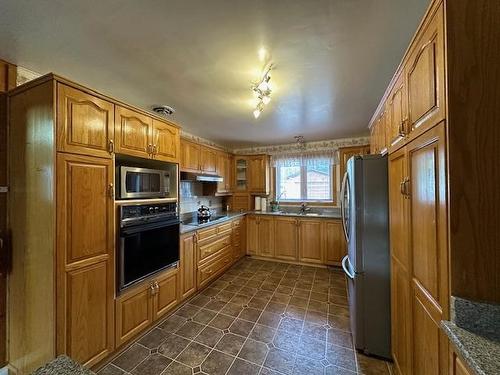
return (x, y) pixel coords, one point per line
(257, 204)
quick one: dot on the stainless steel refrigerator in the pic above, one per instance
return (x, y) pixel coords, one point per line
(365, 218)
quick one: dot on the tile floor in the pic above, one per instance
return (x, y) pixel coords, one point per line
(258, 318)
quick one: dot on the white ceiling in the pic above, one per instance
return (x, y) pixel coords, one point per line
(334, 58)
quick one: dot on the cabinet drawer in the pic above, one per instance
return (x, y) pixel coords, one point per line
(214, 247)
(213, 268)
(224, 227)
(207, 233)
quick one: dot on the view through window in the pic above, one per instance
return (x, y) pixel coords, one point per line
(310, 182)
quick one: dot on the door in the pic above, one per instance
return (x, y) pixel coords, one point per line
(397, 120)
(165, 141)
(266, 236)
(85, 257)
(133, 312)
(401, 310)
(208, 160)
(166, 296)
(425, 76)
(310, 241)
(190, 156)
(252, 235)
(187, 266)
(426, 190)
(85, 123)
(335, 242)
(132, 133)
(286, 238)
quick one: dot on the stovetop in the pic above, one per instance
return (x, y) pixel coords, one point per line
(197, 222)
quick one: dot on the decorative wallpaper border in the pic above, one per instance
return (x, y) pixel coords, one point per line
(308, 147)
(196, 139)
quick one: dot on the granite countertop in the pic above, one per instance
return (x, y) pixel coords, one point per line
(63, 365)
(231, 215)
(475, 333)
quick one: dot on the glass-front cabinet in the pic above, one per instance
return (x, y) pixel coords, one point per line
(241, 174)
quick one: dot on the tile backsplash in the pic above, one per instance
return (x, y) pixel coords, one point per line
(192, 197)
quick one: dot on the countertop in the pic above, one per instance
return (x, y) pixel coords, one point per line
(232, 215)
(62, 365)
(474, 332)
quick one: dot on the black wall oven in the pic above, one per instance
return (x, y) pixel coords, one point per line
(148, 241)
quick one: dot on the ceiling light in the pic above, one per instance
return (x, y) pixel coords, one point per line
(262, 54)
(266, 99)
(256, 113)
(262, 90)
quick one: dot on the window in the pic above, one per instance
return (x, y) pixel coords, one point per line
(311, 181)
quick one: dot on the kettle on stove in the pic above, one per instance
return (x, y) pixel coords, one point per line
(204, 212)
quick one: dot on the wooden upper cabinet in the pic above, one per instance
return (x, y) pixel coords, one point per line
(345, 153)
(190, 156)
(132, 133)
(286, 238)
(85, 123)
(208, 162)
(397, 119)
(311, 241)
(334, 242)
(258, 174)
(166, 141)
(187, 266)
(224, 168)
(426, 76)
(85, 258)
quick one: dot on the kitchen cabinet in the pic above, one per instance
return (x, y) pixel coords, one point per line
(85, 123)
(311, 241)
(208, 158)
(397, 118)
(239, 239)
(345, 153)
(286, 238)
(252, 235)
(425, 76)
(187, 265)
(85, 257)
(258, 174)
(138, 307)
(260, 236)
(378, 141)
(166, 141)
(240, 202)
(458, 365)
(132, 130)
(224, 169)
(335, 245)
(190, 156)
(241, 173)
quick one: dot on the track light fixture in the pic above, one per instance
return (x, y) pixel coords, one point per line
(262, 90)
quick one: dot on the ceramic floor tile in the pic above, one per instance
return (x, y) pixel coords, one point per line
(131, 357)
(217, 363)
(152, 365)
(241, 367)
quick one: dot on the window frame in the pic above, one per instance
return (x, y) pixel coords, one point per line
(303, 188)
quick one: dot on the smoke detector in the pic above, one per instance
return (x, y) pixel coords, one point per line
(163, 110)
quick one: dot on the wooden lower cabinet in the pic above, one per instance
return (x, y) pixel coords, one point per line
(187, 265)
(286, 238)
(252, 235)
(458, 365)
(335, 245)
(311, 242)
(140, 306)
(266, 237)
(239, 239)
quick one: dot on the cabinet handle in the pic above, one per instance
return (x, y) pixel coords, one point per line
(150, 149)
(155, 150)
(405, 126)
(157, 287)
(153, 289)
(402, 186)
(407, 187)
(111, 146)
(111, 191)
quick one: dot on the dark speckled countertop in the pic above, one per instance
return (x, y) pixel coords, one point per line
(475, 333)
(231, 215)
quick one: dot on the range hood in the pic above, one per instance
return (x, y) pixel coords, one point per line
(189, 176)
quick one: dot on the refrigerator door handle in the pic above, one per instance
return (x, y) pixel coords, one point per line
(344, 266)
(342, 206)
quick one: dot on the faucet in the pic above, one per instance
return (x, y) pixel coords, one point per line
(304, 208)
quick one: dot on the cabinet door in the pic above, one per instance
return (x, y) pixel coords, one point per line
(396, 112)
(133, 133)
(208, 160)
(286, 238)
(258, 174)
(187, 266)
(311, 241)
(425, 76)
(85, 257)
(165, 141)
(428, 248)
(335, 242)
(85, 123)
(190, 156)
(266, 236)
(458, 366)
(221, 170)
(345, 153)
(252, 235)
(166, 294)
(241, 202)
(229, 173)
(133, 313)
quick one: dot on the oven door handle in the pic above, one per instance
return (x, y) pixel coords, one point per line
(144, 227)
